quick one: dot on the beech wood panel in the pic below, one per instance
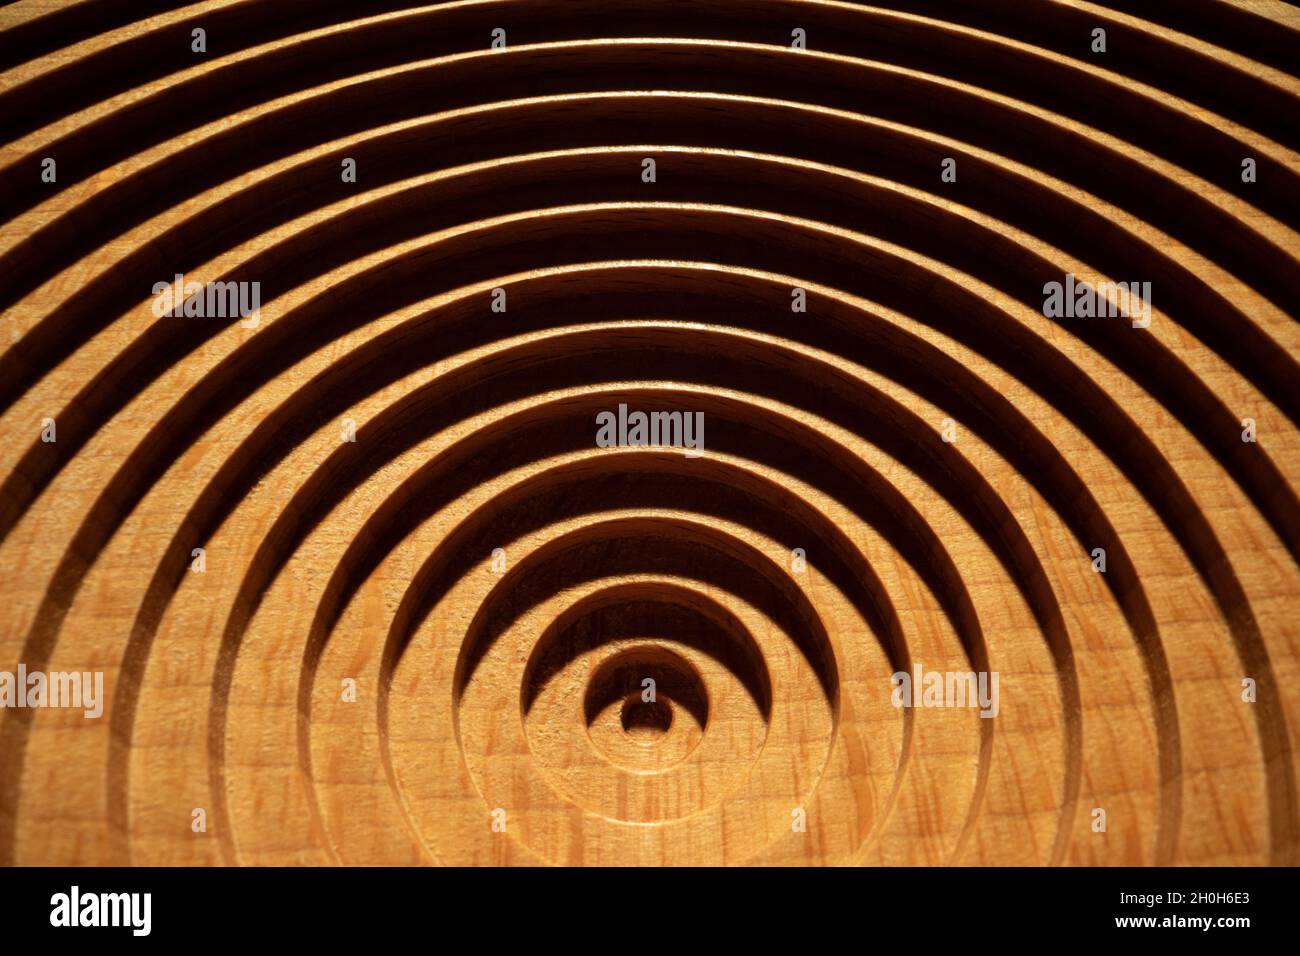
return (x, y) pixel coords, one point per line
(429, 598)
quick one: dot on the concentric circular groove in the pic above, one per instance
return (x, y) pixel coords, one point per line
(438, 621)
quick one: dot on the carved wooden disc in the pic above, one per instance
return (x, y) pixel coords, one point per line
(638, 432)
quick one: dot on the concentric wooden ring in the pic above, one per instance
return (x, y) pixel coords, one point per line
(429, 599)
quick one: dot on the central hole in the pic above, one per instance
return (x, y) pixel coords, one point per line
(646, 721)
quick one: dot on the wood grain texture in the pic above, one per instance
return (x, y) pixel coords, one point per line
(427, 645)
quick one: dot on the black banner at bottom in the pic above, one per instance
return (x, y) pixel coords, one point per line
(631, 906)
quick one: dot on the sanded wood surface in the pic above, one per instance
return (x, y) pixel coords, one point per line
(363, 584)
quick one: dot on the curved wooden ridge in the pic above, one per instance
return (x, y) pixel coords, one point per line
(376, 569)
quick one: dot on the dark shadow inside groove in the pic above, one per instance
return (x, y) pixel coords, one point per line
(630, 611)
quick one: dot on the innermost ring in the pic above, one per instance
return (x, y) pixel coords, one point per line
(645, 721)
(645, 708)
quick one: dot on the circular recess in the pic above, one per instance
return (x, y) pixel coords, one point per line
(645, 721)
(646, 707)
(369, 582)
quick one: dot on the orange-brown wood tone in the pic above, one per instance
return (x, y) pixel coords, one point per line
(376, 566)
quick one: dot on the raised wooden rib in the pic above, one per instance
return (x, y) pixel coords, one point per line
(497, 585)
